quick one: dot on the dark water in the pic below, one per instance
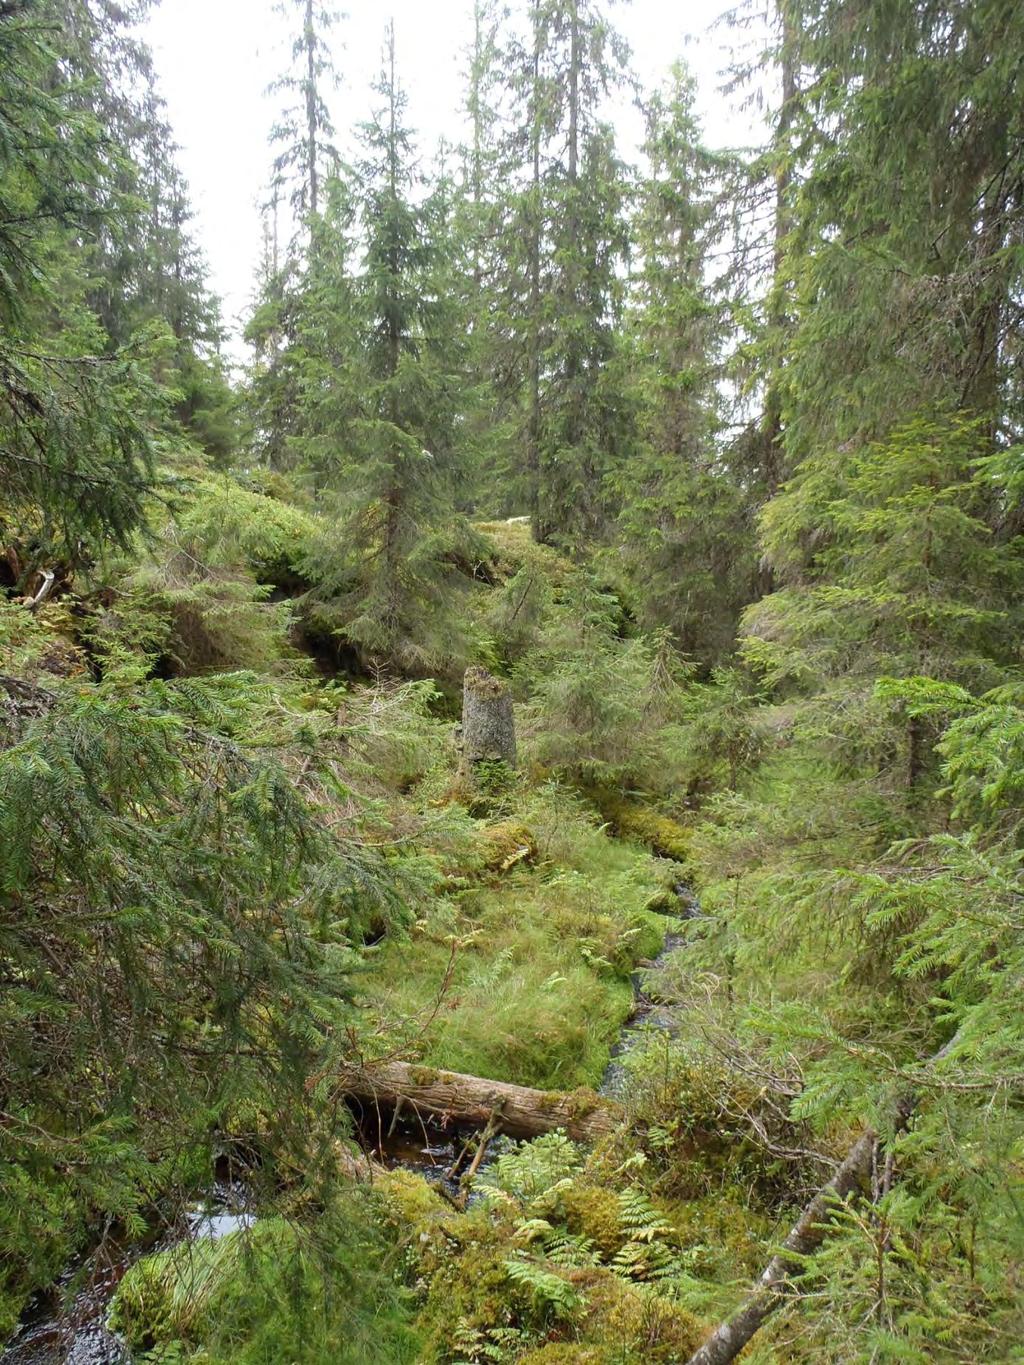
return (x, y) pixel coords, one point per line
(648, 1012)
(67, 1325)
(422, 1145)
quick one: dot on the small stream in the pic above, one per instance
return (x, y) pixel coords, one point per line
(648, 1012)
(66, 1325)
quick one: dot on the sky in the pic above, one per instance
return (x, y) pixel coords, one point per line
(215, 59)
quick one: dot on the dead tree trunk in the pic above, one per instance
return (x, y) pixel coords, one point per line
(488, 722)
(452, 1097)
(804, 1237)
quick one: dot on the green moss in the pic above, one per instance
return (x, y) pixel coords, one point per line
(567, 1353)
(663, 902)
(593, 1211)
(423, 1075)
(647, 1328)
(507, 844)
(409, 1200)
(582, 1102)
(276, 1292)
(660, 833)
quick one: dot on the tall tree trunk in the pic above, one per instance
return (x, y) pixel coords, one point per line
(771, 425)
(476, 115)
(540, 530)
(574, 427)
(311, 111)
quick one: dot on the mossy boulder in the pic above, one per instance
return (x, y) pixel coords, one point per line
(660, 833)
(506, 844)
(410, 1202)
(652, 1329)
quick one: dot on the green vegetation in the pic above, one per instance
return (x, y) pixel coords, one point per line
(273, 1292)
(717, 464)
(539, 956)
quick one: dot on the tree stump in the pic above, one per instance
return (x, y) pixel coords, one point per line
(488, 722)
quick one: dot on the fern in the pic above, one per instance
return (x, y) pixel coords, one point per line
(552, 1295)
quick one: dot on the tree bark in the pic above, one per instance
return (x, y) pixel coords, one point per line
(807, 1233)
(488, 721)
(771, 421)
(452, 1097)
(540, 528)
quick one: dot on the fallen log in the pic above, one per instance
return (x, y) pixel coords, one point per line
(806, 1235)
(450, 1097)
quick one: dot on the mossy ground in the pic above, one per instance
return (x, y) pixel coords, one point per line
(539, 952)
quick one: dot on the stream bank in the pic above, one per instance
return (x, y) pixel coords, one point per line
(67, 1324)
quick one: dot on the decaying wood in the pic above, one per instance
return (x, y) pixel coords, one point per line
(488, 721)
(805, 1236)
(493, 1128)
(45, 588)
(452, 1097)
(24, 698)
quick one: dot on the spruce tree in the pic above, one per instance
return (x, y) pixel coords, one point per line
(304, 131)
(900, 243)
(685, 519)
(384, 571)
(75, 452)
(306, 174)
(559, 250)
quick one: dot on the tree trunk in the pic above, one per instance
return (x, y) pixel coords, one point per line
(451, 1097)
(806, 1234)
(533, 431)
(488, 721)
(311, 110)
(771, 422)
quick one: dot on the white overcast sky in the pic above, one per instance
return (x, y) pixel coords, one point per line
(215, 58)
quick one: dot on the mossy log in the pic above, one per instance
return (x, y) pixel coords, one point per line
(488, 721)
(458, 1099)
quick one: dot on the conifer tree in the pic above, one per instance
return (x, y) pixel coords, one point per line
(907, 285)
(75, 456)
(685, 520)
(383, 570)
(304, 131)
(580, 431)
(307, 169)
(561, 241)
